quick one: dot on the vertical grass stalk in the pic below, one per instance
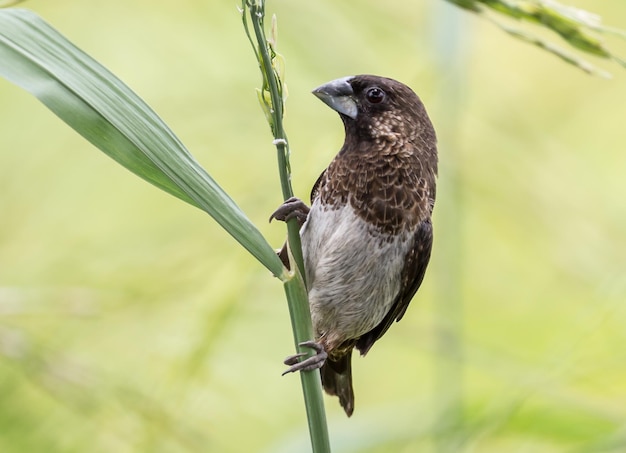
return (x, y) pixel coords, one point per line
(271, 97)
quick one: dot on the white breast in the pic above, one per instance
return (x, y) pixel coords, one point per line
(353, 272)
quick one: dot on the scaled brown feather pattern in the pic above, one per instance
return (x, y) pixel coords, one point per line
(368, 235)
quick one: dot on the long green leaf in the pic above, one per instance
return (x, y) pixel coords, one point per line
(110, 115)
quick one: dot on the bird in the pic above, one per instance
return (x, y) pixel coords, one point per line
(367, 235)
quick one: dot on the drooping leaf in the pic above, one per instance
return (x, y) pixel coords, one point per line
(572, 24)
(100, 107)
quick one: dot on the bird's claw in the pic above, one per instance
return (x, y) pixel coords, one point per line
(293, 359)
(312, 363)
(293, 208)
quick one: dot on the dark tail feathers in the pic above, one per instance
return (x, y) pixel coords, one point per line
(337, 380)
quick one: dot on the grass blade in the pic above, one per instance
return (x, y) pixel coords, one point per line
(100, 107)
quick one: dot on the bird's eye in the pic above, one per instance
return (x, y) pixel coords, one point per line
(375, 95)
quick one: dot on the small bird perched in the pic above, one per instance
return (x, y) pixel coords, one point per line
(367, 238)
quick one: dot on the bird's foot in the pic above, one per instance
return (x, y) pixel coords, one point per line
(311, 363)
(293, 208)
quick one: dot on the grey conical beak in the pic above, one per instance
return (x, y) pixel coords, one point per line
(339, 96)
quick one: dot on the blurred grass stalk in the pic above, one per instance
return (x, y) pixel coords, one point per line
(272, 97)
(448, 365)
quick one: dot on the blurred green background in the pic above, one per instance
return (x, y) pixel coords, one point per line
(129, 322)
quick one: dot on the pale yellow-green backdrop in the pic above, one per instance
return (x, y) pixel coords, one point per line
(129, 322)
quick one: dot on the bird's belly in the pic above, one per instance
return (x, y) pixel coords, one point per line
(353, 272)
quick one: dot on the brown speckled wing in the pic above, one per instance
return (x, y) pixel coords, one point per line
(317, 186)
(412, 276)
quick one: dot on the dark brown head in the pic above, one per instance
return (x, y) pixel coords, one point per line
(378, 109)
(387, 166)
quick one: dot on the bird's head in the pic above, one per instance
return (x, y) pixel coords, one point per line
(376, 108)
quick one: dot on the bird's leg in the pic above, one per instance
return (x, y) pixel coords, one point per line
(312, 363)
(293, 208)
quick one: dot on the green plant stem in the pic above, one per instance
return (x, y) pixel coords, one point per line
(295, 286)
(280, 137)
(300, 315)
